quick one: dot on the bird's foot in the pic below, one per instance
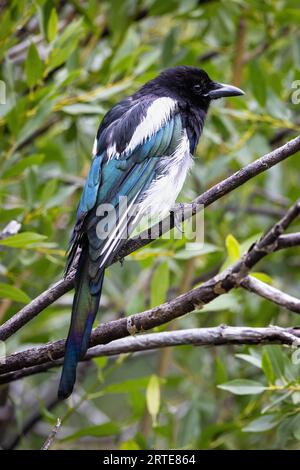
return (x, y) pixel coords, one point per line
(177, 217)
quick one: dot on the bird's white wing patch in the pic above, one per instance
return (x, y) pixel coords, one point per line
(156, 116)
(95, 147)
(111, 152)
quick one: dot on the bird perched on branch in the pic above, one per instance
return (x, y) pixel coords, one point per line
(142, 153)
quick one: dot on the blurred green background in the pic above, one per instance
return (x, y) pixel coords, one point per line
(64, 65)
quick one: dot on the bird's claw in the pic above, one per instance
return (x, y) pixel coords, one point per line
(177, 217)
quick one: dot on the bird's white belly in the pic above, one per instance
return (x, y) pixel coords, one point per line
(161, 195)
(158, 199)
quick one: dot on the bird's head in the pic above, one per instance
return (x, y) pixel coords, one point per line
(194, 85)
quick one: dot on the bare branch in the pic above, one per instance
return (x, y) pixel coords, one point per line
(274, 197)
(194, 299)
(50, 439)
(208, 197)
(289, 240)
(271, 293)
(217, 336)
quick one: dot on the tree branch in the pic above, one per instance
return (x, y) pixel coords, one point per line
(194, 299)
(271, 293)
(288, 241)
(217, 336)
(50, 439)
(207, 198)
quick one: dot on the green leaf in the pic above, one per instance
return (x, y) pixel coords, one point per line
(129, 445)
(243, 387)
(278, 361)
(46, 414)
(65, 44)
(18, 167)
(35, 122)
(233, 248)
(267, 367)
(104, 93)
(100, 362)
(81, 108)
(262, 277)
(48, 191)
(22, 240)
(9, 214)
(127, 385)
(159, 284)
(52, 25)
(246, 244)
(258, 82)
(296, 426)
(33, 66)
(296, 398)
(224, 302)
(220, 371)
(118, 17)
(101, 430)
(191, 250)
(262, 424)
(296, 51)
(14, 293)
(276, 400)
(255, 361)
(153, 398)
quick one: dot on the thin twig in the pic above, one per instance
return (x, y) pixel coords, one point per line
(288, 241)
(271, 293)
(264, 211)
(50, 439)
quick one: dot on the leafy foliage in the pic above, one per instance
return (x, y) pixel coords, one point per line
(64, 65)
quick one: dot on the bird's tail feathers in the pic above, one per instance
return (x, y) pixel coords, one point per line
(84, 310)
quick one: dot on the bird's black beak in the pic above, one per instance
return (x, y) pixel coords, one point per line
(220, 90)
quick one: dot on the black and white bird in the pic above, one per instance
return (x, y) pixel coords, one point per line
(142, 152)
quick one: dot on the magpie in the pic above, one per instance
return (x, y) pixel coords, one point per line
(142, 153)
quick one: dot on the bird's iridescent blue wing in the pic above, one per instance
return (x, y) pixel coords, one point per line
(129, 176)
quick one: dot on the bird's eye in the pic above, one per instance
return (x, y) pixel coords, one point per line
(197, 88)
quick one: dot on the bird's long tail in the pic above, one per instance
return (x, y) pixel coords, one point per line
(84, 310)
